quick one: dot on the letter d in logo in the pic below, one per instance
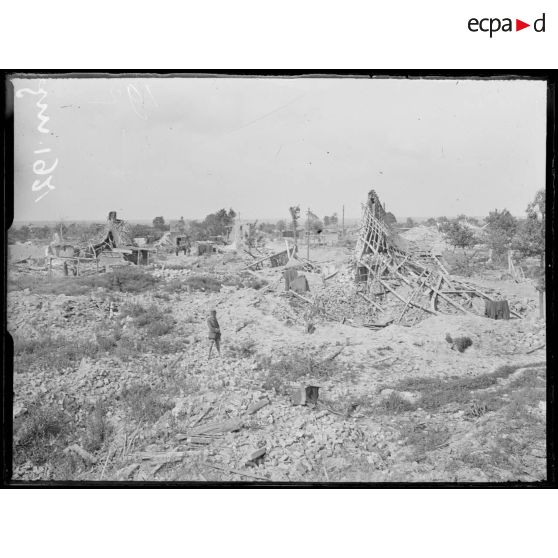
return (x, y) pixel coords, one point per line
(539, 24)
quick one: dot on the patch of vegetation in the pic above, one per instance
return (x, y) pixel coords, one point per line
(144, 403)
(205, 283)
(437, 393)
(427, 439)
(97, 427)
(130, 279)
(150, 318)
(242, 349)
(395, 404)
(174, 286)
(43, 433)
(50, 350)
(294, 367)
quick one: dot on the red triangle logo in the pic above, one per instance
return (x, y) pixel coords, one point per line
(519, 25)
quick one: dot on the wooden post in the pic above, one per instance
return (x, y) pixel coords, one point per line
(541, 305)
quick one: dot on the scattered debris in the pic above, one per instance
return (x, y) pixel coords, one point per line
(255, 457)
(257, 406)
(222, 427)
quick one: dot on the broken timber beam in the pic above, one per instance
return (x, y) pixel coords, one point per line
(369, 300)
(301, 297)
(414, 293)
(404, 301)
(435, 291)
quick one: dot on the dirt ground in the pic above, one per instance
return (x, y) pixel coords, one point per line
(117, 385)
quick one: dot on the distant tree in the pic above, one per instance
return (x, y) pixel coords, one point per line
(281, 225)
(501, 230)
(219, 223)
(529, 240)
(430, 222)
(41, 233)
(409, 223)
(21, 234)
(389, 218)
(197, 230)
(326, 221)
(145, 231)
(442, 219)
(334, 219)
(462, 217)
(159, 223)
(458, 235)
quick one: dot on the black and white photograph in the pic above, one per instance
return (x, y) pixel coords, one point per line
(278, 279)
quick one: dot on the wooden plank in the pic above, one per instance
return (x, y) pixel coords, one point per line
(448, 300)
(404, 301)
(413, 294)
(369, 300)
(301, 297)
(222, 427)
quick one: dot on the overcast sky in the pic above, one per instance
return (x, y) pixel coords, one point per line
(187, 147)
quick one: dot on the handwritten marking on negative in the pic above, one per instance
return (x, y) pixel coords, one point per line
(40, 166)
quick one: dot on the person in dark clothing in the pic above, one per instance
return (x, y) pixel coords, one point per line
(214, 334)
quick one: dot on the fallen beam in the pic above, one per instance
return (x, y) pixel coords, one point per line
(404, 301)
(369, 300)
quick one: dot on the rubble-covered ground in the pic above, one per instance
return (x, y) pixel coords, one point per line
(112, 381)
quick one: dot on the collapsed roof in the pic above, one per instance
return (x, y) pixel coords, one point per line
(417, 278)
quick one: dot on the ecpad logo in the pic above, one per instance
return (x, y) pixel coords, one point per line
(493, 25)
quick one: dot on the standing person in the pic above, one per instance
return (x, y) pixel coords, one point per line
(214, 334)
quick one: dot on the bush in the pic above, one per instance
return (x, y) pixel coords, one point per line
(459, 343)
